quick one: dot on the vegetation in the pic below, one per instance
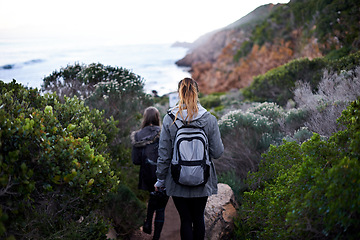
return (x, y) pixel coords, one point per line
(306, 185)
(54, 162)
(62, 159)
(52, 147)
(248, 133)
(333, 23)
(116, 91)
(278, 84)
(65, 156)
(334, 93)
(126, 211)
(307, 191)
(211, 101)
(119, 94)
(303, 187)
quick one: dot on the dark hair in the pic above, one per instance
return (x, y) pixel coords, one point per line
(151, 117)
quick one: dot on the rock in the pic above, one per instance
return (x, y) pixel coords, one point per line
(219, 213)
(111, 234)
(182, 44)
(8, 66)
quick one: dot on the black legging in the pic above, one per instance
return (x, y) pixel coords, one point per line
(191, 211)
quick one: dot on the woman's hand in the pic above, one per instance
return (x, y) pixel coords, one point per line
(160, 184)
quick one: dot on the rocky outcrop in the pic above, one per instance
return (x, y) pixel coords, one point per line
(209, 50)
(208, 47)
(219, 213)
(211, 56)
(225, 74)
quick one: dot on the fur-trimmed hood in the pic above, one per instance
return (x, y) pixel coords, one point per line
(147, 135)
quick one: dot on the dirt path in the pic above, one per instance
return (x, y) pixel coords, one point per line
(171, 229)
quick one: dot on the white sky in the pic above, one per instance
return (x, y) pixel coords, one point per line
(126, 22)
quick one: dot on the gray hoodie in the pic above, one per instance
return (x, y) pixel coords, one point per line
(209, 123)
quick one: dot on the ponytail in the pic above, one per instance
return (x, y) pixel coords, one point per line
(188, 93)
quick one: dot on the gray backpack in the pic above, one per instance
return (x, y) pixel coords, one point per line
(190, 165)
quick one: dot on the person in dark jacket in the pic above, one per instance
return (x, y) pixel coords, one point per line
(189, 201)
(145, 153)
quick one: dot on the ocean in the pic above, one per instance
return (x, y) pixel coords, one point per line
(29, 61)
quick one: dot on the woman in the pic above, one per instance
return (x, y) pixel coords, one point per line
(189, 201)
(145, 153)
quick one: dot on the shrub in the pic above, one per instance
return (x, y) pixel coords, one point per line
(81, 80)
(335, 92)
(237, 185)
(244, 50)
(278, 84)
(116, 91)
(248, 134)
(90, 227)
(307, 191)
(229, 101)
(125, 102)
(54, 161)
(210, 101)
(126, 211)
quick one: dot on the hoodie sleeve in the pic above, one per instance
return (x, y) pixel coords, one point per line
(215, 143)
(165, 149)
(136, 155)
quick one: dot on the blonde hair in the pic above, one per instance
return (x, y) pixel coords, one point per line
(188, 93)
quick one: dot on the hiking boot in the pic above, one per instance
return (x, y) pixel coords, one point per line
(157, 230)
(147, 227)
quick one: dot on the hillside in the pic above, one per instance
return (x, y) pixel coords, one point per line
(270, 36)
(208, 47)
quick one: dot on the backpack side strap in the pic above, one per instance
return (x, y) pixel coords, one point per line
(178, 123)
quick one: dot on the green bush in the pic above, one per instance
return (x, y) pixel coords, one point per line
(91, 227)
(232, 179)
(210, 101)
(116, 91)
(307, 191)
(248, 134)
(278, 84)
(54, 161)
(125, 210)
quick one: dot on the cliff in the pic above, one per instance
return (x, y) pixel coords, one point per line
(271, 36)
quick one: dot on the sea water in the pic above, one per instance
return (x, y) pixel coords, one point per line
(29, 61)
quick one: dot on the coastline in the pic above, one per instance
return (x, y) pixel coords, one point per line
(28, 63)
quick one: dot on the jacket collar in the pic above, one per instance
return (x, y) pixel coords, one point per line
(201, 112)
(144, 136)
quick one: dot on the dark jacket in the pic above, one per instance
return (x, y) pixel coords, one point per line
(145, 153)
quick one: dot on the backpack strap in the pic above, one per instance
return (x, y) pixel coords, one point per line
(178, 123)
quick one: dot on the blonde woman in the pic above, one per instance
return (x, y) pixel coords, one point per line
(189, 201)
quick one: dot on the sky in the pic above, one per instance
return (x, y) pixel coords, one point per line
(119, 21)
